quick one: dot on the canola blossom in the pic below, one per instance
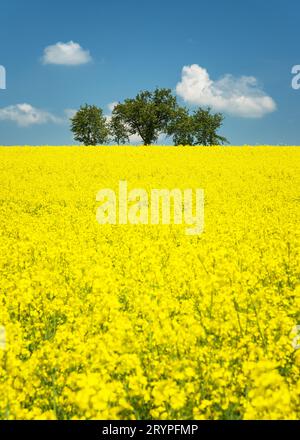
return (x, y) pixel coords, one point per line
(113, 321)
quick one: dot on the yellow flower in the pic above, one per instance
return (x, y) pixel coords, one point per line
(144, 321)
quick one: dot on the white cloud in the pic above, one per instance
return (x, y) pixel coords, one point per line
(68, 54)
(135, 139)
(239, 96)
(25, 115)
(70, 112)
(112, 105)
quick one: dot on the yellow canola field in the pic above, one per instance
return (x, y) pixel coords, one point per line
(144, 321)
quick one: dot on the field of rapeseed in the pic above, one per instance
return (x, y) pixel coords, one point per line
(141, 322)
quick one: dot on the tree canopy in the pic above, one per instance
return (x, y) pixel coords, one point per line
(89, 126)
(199, 128)
(148, 115)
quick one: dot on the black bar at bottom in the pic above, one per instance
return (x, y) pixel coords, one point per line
(95, 430)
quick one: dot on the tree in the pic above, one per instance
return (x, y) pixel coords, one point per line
(205, 126)
(89, 125)
(200, 128)
(118, 130)
(148, 114)
(181, 127)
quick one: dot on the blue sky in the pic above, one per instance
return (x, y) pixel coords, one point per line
(242, 54)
